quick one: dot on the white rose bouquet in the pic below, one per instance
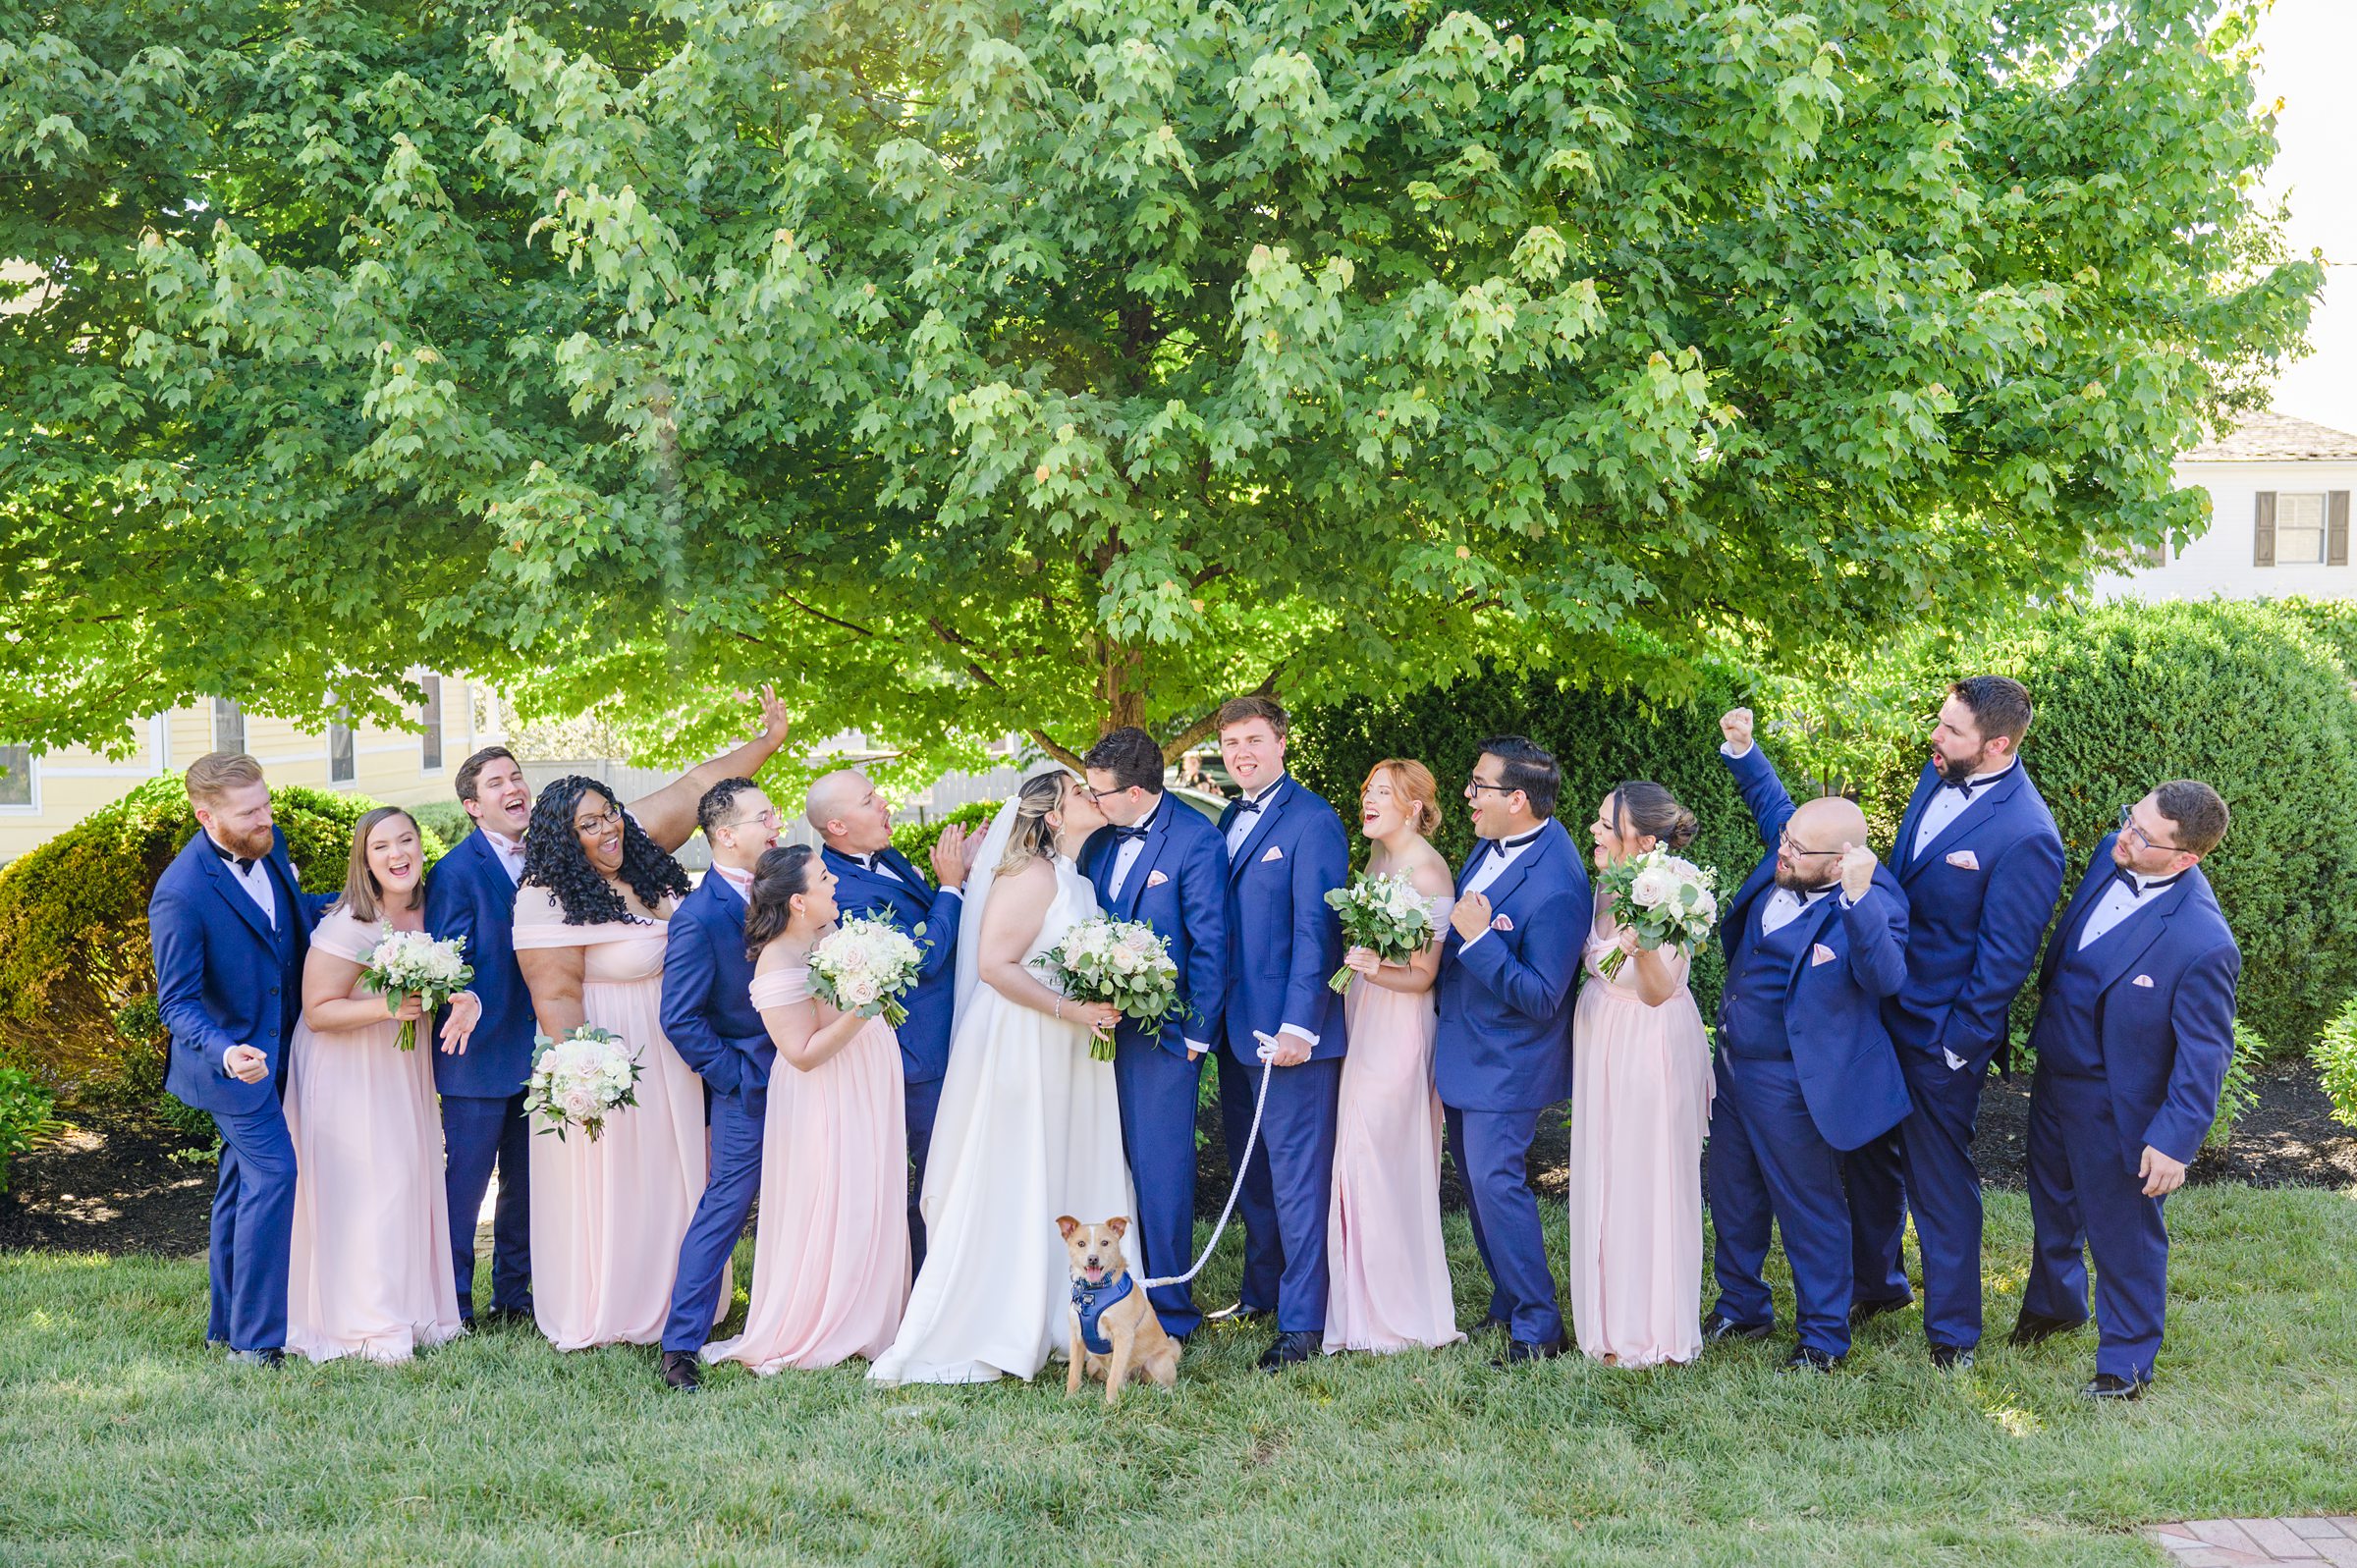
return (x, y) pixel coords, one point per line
(580, 1081)
(863, 965)
(1120, 962)
(1666, 901)
(1384, 914)
(410, 963)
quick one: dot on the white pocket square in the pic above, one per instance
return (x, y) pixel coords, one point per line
(1275, 854)
(1155, 878)
(2146, 981)
(1503, 923)
(1965, 860)
(1820, 953)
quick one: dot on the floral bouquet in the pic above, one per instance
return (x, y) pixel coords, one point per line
(410, 963)
(1666, 900)
(863, 965)
(1382, 913)
(582, 1079)
(1120, 962)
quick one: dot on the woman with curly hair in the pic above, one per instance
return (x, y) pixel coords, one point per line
(607, 1215)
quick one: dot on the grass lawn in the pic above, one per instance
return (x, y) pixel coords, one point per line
(124, 1442)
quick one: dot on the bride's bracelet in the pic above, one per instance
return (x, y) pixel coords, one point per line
(1060, 1009)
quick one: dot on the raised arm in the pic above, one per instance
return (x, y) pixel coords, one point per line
(1764, 793)
(668, 814)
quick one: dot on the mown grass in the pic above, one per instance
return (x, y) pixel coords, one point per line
(122, 1440)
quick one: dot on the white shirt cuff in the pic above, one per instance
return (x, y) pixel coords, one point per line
(1469, 940)
(960, 891)
(1195, 1046)
(1298, 1033)
(1726, 750)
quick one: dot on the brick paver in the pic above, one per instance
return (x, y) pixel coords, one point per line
(2231, 1543)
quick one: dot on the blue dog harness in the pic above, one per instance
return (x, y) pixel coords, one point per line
(1090, 1302)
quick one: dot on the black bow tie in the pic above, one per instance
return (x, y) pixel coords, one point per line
(863, 862)
(1532, 836)
(1129, 835)
(242, 862)
(2127, 879)
(1964, 786)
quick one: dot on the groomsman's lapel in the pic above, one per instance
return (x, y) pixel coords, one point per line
(1511, 877)
(1813, 921)
(1279, 795)
(225, 882)
(2116, 952)
(1154, 846)
(1977, 813)
(2074, 914)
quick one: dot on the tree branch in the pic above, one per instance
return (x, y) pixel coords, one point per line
(1176, 747)
(1061, 753)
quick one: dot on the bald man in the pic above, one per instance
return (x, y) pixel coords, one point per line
(872, 878)
(1815, 939)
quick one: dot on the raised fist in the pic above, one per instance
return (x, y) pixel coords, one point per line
(1735, 724)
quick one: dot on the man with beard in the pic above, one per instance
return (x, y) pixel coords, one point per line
(1981, 862)
(1816, 941)
(230, 926)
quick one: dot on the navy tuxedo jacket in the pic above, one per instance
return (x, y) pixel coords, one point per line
(912, 901)
(1504, 1039)
(708, 1013)
(1284, 941)
(2165, 1027)
(1978, 899)
(1850, 961)
(469, 894)
(1188, 906)
(222, 976)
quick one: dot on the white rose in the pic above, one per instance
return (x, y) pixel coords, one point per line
(1652, 886)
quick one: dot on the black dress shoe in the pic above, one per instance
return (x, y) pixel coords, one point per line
(1953, 1357)
(1519, 1352)
(680, 1371)
(2107, 1385)
(1807, 1358)
(272, 1357)
(1291, 1348)
(1238, 1311)
(1492, 1321)
(511, 1318)
(1867, 1310)
(1714, 1329)
(2036, 1327)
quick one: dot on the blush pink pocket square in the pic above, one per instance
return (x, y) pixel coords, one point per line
(1503, 923)
(2146, 981)
(1820, 953)
(1965, 860)
(1155, 878)
(1275, 854)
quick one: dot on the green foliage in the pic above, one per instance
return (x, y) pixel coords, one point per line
(2333, 622)
(446, 819)
(989, 367)
(26, 1122)
(74, 944)
(2237, 1094)
(2335, 1058)
(916, 840)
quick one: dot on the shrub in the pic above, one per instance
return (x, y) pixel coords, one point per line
(26, 1122)
(916, 840)
(2332, 621)
(73, 912)
(446, 819)
(2238, 1094)
(2335, 1058)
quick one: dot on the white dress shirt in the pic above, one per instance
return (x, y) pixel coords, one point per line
(254, 878)
(1948, 804)
(1123, 857)
(510, 853)
(1784, 907)
(2115, 904)
(1493, 866)
(742, 881)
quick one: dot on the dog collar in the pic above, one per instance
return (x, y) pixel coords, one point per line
(1090, 1302)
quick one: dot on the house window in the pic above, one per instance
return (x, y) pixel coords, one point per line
(2299, 528)
(229, 725)
(16, 776)
(341, 768)
(431, 715)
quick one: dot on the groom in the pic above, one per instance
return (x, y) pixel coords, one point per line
(1161, 861)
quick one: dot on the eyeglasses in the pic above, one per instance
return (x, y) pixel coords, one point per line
(766, 819)
(1784, 841)
(597, 824)
(1474, 786)
(2127, 825)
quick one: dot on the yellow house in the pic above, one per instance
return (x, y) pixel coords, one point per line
(43, 795)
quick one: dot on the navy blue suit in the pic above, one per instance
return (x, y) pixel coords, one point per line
(1179, 885)
(2133, 1035)
(1503, 1055)
(1805, 1072)
(926, 1032)
(1283, 944)
(1978, 899)
(226, 975)
(709, 1018)
(471, 895)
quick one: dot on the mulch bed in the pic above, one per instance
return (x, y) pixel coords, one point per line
(110, 1186)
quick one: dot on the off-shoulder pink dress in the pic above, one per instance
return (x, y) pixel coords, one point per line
(608, 1216)
(1640, 1105)
(831, 1248)
(370, 1270)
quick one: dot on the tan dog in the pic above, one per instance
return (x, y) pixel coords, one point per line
(1114, 1334)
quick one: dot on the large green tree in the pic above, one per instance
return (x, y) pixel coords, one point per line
(1042, 364)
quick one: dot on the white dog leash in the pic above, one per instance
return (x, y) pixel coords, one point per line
(1242, 1163)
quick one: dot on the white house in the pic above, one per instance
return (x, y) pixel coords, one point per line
(2278, 518)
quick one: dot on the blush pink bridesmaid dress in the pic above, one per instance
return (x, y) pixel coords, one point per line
(370, 1267)
(608, 1216)
(1640, 1103)
(1388, 1267)
(831, 1247)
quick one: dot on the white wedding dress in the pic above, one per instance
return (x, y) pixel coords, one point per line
(1028, 1129)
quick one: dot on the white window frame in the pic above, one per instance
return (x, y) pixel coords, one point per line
(434, 715)
(231, 703)
(2285, 501)
(351, 752)
(31, 806)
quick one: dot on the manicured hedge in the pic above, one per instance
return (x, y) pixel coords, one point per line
(916, 840)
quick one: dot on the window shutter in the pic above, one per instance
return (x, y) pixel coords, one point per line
(2336, 528)
(2263, 531)
(2154, 555)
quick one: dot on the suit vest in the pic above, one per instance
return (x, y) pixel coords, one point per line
(1759, 979)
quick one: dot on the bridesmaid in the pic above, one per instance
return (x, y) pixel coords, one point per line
(1390, 1270)
(831, 1247)
(607, 1215)
(371, 1273)
(1640, 1103)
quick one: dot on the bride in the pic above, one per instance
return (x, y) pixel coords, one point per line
(1028, 1127)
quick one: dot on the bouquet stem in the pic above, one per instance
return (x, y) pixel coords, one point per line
(1610, 964)
(1341, 980)
(1100, 1048)
(407, 1040)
